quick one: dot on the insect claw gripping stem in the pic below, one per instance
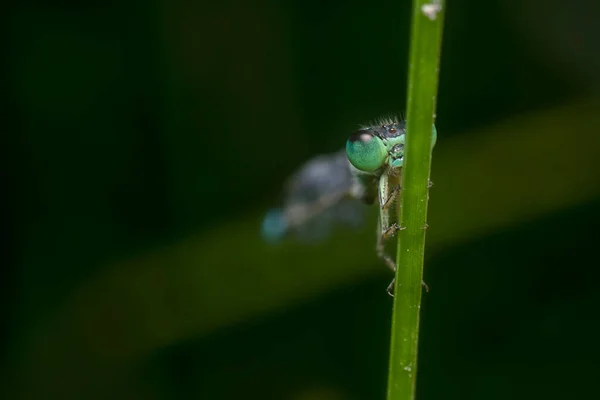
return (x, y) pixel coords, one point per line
(391, 230)
(390, 289)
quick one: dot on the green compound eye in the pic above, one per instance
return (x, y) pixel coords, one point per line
(366, 151)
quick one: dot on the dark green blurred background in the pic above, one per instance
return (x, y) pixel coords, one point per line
(144, 140)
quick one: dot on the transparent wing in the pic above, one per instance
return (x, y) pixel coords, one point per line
(316, 197)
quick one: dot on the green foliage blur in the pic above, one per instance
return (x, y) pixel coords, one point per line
(145, 140)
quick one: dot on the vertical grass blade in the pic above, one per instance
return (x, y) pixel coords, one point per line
(425, 45)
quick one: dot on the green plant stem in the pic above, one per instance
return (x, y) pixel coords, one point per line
(425, 45)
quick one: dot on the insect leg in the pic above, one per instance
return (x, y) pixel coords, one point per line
(392, 196)
(385, 230)
(389, 261)
(386, 199)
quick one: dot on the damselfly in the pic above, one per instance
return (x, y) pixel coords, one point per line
(331, 188)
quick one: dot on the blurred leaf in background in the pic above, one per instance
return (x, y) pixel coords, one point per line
(145, 140)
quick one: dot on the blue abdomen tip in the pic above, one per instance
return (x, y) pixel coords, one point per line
(274, 225)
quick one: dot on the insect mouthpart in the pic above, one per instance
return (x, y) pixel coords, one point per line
(397, 151)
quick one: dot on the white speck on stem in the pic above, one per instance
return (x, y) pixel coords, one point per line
(432, 9)
(408, 368)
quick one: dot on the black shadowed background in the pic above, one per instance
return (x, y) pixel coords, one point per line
(143, 142)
